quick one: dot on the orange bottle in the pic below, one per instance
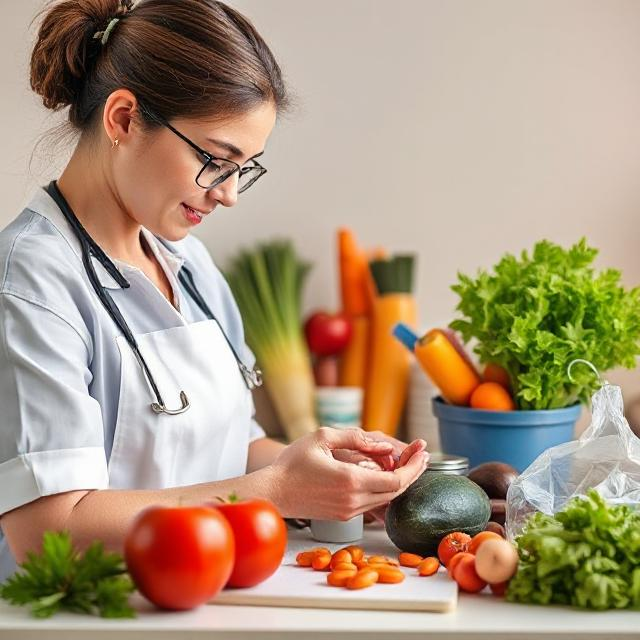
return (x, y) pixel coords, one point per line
(446, 367)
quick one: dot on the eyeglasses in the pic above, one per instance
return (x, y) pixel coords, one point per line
(216, 170)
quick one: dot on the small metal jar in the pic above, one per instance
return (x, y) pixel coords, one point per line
(445, 463)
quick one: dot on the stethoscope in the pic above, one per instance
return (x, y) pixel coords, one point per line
(252, 377)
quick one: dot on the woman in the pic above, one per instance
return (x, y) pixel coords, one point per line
(124, 377)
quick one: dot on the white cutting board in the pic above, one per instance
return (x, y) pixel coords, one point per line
(294, 586)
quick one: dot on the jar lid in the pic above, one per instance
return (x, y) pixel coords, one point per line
(446, 462)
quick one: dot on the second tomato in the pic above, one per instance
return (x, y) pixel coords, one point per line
(261, 539)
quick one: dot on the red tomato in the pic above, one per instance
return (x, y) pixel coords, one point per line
(451, 544)
(261, 539)
(179, 557)
(327, 334)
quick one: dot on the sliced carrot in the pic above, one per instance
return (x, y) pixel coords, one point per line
(342, 566)
(357, 553)
(409, 559)
(321, 561)
(428, 566)
(340, 556)
(340, 578)
(304, 558)
(364, 578)
(390, 575)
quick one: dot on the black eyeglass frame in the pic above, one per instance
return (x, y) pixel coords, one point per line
(209, 159)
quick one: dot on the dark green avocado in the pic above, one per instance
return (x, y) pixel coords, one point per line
(433, 506)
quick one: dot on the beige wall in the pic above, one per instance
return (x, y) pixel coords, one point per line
(456, 129)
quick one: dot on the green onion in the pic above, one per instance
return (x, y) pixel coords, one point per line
(267, 283)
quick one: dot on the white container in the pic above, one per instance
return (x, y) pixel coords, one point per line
(337, 530)
(339, 407)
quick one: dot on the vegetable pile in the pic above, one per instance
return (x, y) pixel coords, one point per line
(533, 315)
(587, 555)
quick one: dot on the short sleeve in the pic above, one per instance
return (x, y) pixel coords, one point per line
(51, 432)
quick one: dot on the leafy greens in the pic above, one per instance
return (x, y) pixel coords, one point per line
(60, 578)
(587, 555)
(535, 314)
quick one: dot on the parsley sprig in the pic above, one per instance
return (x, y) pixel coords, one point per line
(59, 577)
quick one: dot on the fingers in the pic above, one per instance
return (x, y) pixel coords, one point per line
(356, 439)
(394, 482)
(416, 445)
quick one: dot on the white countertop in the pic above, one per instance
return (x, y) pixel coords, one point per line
(477, 616)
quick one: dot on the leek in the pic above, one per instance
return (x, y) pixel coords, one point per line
(267, 284)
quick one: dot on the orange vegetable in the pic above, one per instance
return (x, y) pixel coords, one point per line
(492, 396)
(340, 556)
(451, 544)
(495, 373)
(353, 360)
(390, 575)
(339, 578)
(451, 567)
(388, 376)
(448, 370)
(364, 578)
(321, 560)
(344, 566)
(353, 272)
(428, 566)
(409, 559)
(304, 558)
(361, 564)
(465, 574)
(481, 537)
(357, 553)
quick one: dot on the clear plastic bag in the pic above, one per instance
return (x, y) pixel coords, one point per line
(606, 457)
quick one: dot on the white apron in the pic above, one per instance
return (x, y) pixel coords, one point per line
(210, 440)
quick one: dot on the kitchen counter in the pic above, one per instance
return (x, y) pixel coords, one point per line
(477, 616)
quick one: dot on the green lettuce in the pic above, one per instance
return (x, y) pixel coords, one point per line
(587, 555)
(535, 314)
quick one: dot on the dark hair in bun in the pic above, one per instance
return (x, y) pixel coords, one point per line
(180, 58)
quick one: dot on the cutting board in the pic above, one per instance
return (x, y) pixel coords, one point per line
(294, 586)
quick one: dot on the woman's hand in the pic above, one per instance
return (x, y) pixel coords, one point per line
(309, 482)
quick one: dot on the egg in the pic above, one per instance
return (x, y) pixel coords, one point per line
(496, 561)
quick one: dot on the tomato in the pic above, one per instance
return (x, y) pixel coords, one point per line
(452, 544)
(261, 540)
(465, 574)
(179, 557)
(479, 538)
(327, 334)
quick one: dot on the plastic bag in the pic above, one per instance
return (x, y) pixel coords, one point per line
(606, 457)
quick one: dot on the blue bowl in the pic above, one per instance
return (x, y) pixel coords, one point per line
(514, 437)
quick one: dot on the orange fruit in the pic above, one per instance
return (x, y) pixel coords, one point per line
(492, 396)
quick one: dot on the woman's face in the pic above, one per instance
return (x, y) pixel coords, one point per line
(155, 177)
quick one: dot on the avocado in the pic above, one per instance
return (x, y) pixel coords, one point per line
(433, 506)
(494, 478)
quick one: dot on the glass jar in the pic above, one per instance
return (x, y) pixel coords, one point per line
(446, 463)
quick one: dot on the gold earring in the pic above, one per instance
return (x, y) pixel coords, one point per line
(115, 143)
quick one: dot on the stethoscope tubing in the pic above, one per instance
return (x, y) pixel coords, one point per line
(251, 377)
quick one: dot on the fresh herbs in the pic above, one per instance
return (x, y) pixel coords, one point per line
(535, 314)
(587, 555)
(59, 578)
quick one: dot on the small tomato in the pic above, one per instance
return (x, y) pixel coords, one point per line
(465, 574)
(451, 544)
